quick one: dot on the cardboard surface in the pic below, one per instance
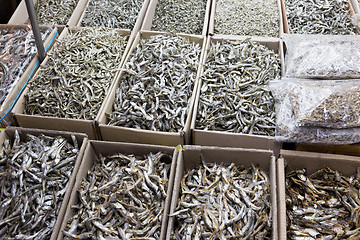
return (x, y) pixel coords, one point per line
(122, 134)
(82, 140)
(292, 160)
(191, 156)
(348, 149)
(109, 148)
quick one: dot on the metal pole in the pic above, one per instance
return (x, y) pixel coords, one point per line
(35, 28)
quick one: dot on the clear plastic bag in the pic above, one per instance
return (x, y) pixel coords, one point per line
(322, 57)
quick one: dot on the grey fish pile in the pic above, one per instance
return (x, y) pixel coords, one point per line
(34, 178)
(155, 91)
(122, 197)
(220, 202)
(17, 49)
(235, 96)
(75, 80)
(324, 205)
(180, 16)
(56, 12)
(112, 13)
(319, 17)
(248, 18)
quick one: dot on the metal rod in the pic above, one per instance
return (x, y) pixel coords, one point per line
(35, 28)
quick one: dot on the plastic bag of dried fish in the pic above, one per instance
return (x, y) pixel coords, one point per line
(247, 18)
(34, 174)
(156, 88)
(223, 202)
(319, 17)
(112, 13)
(122, 197)
(17, 49)
(235, 96)
(325, 57)
(323, 205)
(54, 12)
(77, 75)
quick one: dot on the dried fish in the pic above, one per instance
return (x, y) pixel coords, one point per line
(219, 202)
(76, 78)
(122, 197)
(235, 96)
(319, 17)
(248, 18)
(323, 205)
(34, 174)
(57, 12)
(17, 49)
(155, 90)
(180, 16)
(112, 13)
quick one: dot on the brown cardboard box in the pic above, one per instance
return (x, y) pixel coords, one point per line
(28, 73)
(21, 16)
(123, 134)
(191, 156)
(150, 14)
(42, 122)
(82, 140)
(347, 149)
(224, 139)
(212, 19)
(293, 160)
(109, 148)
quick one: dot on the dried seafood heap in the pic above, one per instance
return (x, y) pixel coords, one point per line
(56, 12)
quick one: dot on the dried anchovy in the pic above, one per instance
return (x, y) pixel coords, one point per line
(122, 197)
(180, 16)
(17, 49)
(34, 176)
(75, 80)
(220, 202)
(54, 11)
(155, 91)
(112, 13)
(324, 205)
(235, 96)
(248, 18)
(319, 17)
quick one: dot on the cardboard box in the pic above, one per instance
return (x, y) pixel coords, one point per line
(123, 134)
(293, 160)
(212, 19)
(21, 16)
(9, 133)
(191, 156)
(347, 149)
(62, 124)
(110, 148)
(150, 14)
(5, 117)
(225, 139)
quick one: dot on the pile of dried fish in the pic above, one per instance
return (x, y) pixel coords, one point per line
(248, 18)
(122, 197)
(180, 16)
(220, 202)
(34, 178)
(17, 49)
(155, 90)
(112, 13)
(76, 78)
(54, 11)
(324, 205)
(319, 17)
(235, 96)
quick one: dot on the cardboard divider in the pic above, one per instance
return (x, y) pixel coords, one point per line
(292, 160)
(347, 149)
(62, 124)
(110, 148)
(150, 14)
(9, 133)
(191, 156)
(123, 134)
(225, 139)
